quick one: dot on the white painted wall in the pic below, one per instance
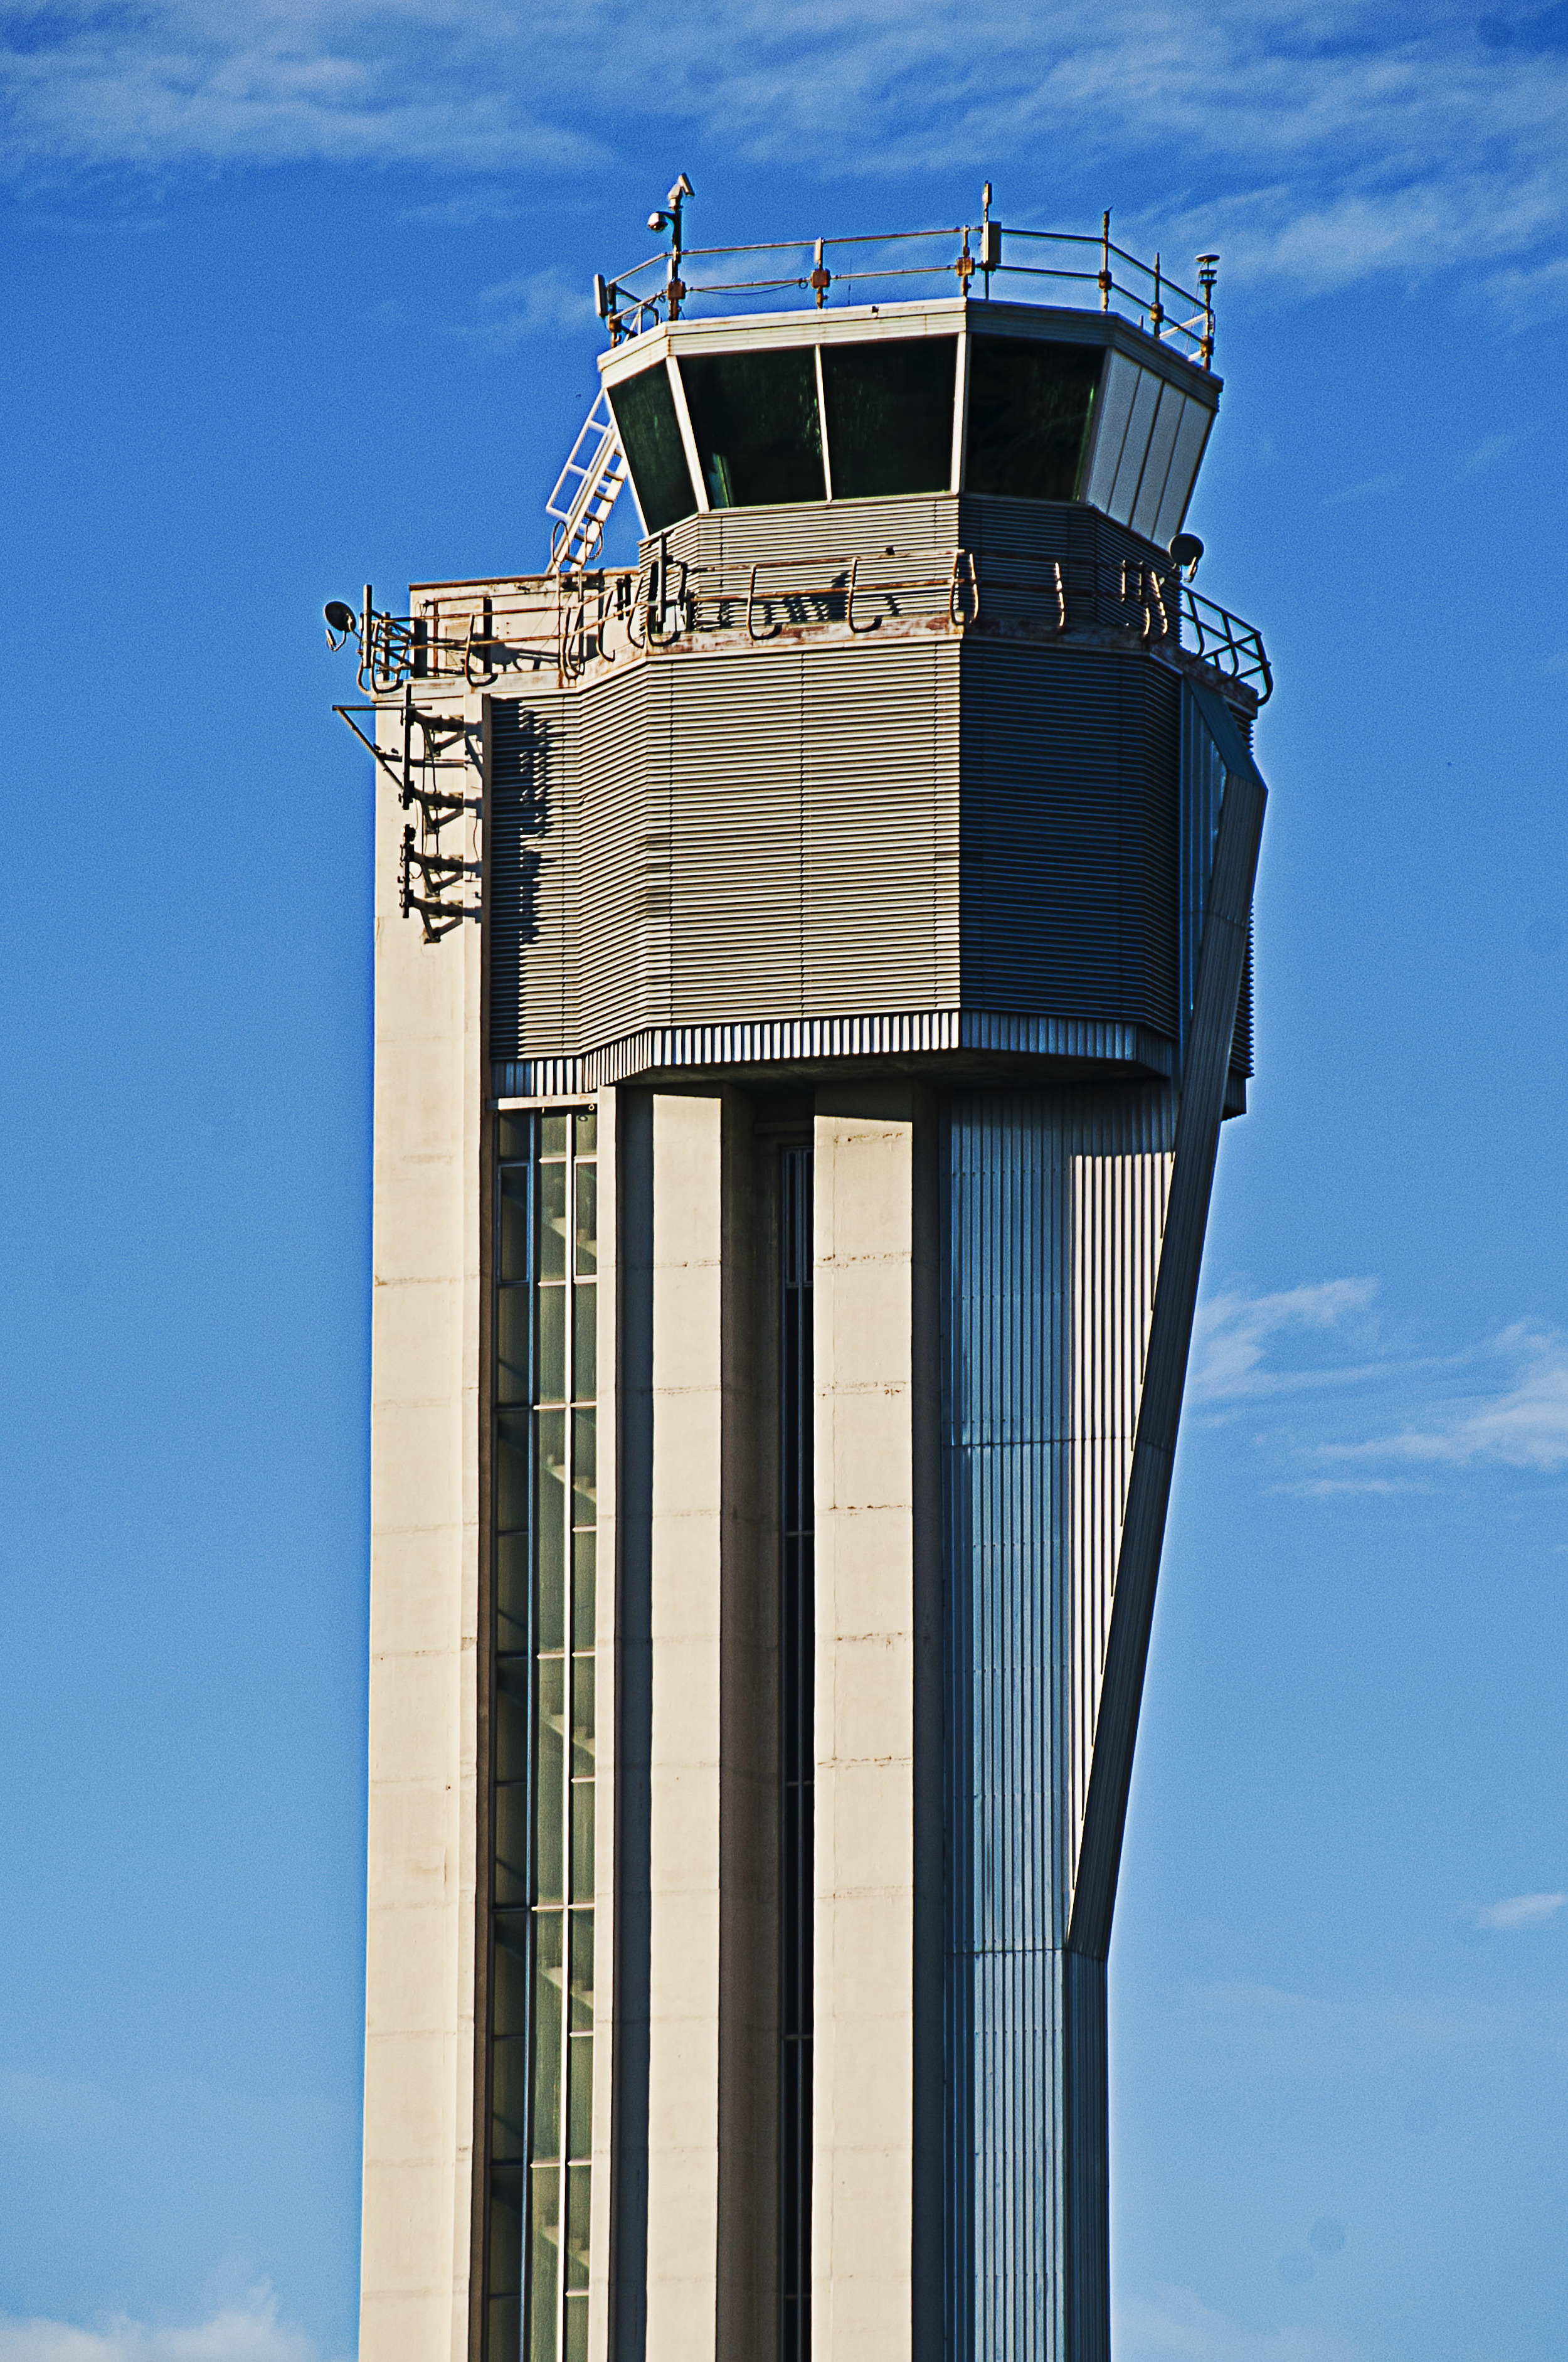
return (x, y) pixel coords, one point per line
(683, 1982)
(423, 1608)
(863, 2098)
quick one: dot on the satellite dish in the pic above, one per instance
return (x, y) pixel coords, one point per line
(341, 618)
(1186, 549)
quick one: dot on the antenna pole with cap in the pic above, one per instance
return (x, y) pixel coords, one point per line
(1207, 272)
(990, 240)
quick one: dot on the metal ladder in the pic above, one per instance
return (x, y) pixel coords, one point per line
(587, 488)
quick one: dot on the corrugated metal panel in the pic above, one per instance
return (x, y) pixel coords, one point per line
(813, 1041)
(1227, 902)
(1070, 834)
(1049, 1202)
(786, 831)
(536, 1078)
(527, 836)
(1119, 1218)
(880, 846)
(815, 530)
(735, 765)
(622, 909)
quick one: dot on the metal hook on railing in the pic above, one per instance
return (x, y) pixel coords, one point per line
(859, 629)
(486, 642)
(963, 576)
(751, 631)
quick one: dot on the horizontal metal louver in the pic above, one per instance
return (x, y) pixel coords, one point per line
(754, 840)
(527, 897)
(1070, 834)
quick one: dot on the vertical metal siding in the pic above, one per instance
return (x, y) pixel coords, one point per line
(1051, 1206)
(1119, 1220)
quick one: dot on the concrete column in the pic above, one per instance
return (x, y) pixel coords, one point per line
(419, 2028)
(696, 2011)
(683, 1785)
(876, 1631)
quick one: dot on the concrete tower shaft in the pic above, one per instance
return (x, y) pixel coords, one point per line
(812, 969)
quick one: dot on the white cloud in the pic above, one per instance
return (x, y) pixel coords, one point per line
(246, 2331)
(1397, 139)
(534, 301)
(1519, 1911)
(1490, 451)
(1371, 488)
(1524, 1426)
(1174, 2325)
(1232, 1331)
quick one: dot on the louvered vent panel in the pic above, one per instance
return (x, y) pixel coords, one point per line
(528, 884)
(622, 747)
(736, 761)
(809, 529)
(1070, 834)
(881, 838)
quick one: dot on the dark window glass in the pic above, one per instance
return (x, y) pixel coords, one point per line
(651, 435)
(1030, 406)
(754, 418)
(889, 416)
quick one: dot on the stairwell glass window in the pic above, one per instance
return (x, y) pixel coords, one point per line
(543, 1793)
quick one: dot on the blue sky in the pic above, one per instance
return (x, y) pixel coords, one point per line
(296, 296)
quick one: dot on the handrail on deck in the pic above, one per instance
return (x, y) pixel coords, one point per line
(569, 619)
(658, 288)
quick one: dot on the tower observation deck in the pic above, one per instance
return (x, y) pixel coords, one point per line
(812, 971)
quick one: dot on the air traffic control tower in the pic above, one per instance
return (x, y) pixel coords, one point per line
(812, 970)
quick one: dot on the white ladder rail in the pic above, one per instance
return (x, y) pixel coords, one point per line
(587, 488)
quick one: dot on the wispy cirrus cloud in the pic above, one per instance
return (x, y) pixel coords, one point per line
(1175, 2325)
(1400, 140)
(1234, 1331)
(1521, 1424)
(1501, 1404)
(248, 2331)
(1516, 1913)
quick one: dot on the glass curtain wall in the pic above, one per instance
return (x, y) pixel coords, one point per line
(545, 1382)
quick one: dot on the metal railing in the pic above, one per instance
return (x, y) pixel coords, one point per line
(1076, 266)
(569, 621)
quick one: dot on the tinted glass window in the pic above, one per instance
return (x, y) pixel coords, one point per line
(754, 418)
(650, 435)
(1030, 407)
(889, 416)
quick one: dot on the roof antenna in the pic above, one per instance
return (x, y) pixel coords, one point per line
(670, 219)
(990, 240)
